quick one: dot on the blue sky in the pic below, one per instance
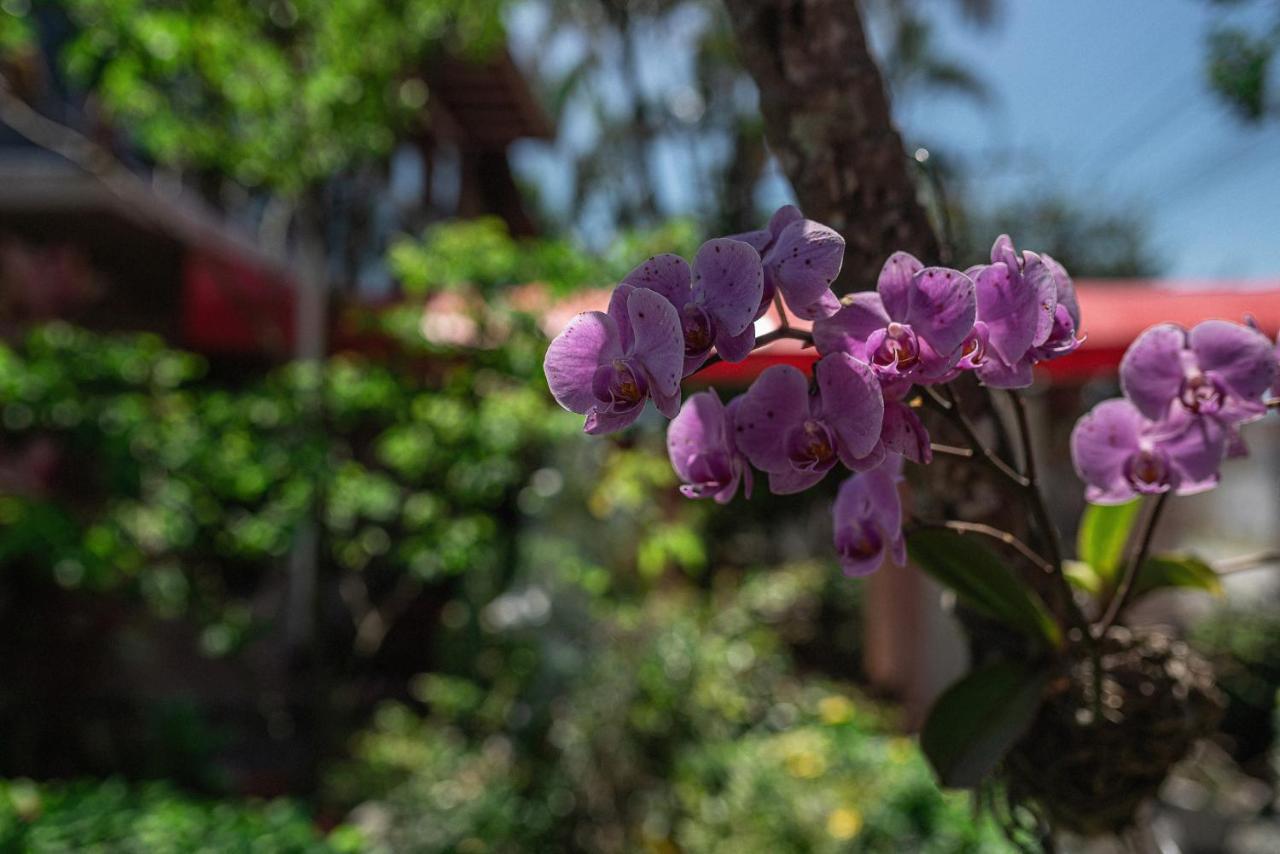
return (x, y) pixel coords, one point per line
(1103, 100)
(1106, 100)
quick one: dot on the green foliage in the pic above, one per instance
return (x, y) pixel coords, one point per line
(1243, 642)
(1104, 532)
(281, 94)
(177, 487)
(680, 723)
(481, 254)
(113, 818)
(1160, 572)
(983, 582)
(1239, 66)
(978, 719)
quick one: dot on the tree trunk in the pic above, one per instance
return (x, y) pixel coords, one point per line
(827, 119)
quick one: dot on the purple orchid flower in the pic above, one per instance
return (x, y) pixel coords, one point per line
(605, 366)
(1029, 313)
(868, 519)
(717, 301)
(912, 329)
(1119, 453)
(1219, 369)
(700, 443)
(796, 437)
(801, 260)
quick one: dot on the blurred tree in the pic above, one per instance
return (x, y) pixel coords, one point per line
(665, 82)
(1240, 60)
(1089, 241)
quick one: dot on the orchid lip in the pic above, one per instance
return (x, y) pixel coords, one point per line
(900, 349)
(810, 446)
(1147, 470)
(1201, 394)
(619, 385)
(699, 330)
(859, 541)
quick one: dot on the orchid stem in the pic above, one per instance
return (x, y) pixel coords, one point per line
(950, 408)
(1040, 510)
(1120, 599)
(996, 534)
(764, 341)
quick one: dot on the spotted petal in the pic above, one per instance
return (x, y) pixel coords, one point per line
(735, 348)
(659, 340)
(665, 274)
(804, 261)
(894, 284)
(847, 330)
(777, 400)
(942, 307)
(728, 281)
(589, 340)
(852, 403)
(903, 433)
(1151, 371)
(1010, 309)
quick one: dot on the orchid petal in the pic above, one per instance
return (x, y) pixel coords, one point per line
(664, 274)
(1101, 442)
(894, 284)
(735, 348)
(1240, 356)
(589, 340)
(847, 330)
(942, 307)
(659, 340)
(1151, 371)
(805, 260)
(904, 433)
(777, 400)
(853, 405)
(1009, 309)
(728, 281)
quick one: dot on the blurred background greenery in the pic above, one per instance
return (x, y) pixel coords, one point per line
(350, 580)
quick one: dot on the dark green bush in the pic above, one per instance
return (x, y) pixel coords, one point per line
(113, 818)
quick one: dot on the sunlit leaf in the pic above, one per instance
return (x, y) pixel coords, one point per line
(1104, 531)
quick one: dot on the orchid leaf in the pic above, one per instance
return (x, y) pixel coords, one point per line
(979, 718)
(1176, 571)
(1104, 532)
(983, 582)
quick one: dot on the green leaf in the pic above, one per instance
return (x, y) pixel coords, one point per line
(1104, 531)
(974, 723)
(1171, 570)
(1083, 577)
(983, 582)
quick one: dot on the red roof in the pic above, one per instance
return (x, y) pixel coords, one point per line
(1114, 313)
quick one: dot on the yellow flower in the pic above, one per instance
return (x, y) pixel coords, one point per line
(844, 823)
(835, 709)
